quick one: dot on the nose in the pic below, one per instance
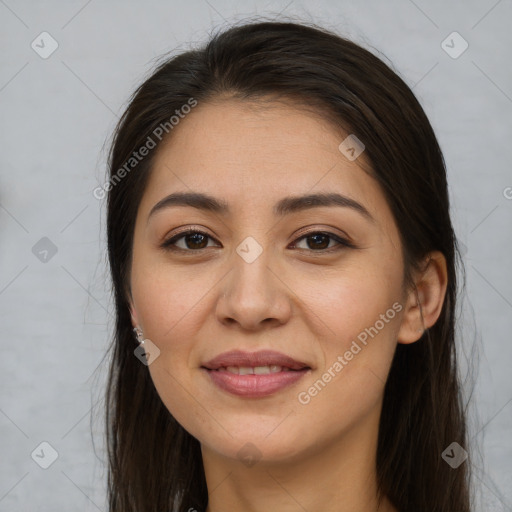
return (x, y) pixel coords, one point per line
(253, 296)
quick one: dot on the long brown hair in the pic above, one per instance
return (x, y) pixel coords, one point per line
(154, 464)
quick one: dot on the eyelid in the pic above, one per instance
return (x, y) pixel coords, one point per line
(340, 241)
(166, 244)
(315, 229)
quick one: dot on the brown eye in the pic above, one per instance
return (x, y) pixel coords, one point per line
(192, 239)
(196, 241)
(318, 241)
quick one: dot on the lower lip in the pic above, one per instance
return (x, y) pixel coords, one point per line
(255, 386)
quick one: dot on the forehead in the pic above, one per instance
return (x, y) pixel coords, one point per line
(251, 155)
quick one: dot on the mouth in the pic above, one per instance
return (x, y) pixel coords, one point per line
(255, 370)
(256, 374)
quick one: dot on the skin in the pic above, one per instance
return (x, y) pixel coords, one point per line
(306, 302)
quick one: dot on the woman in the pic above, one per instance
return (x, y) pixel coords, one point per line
(280, 242)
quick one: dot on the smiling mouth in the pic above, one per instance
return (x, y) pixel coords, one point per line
(256, 370)
(254, 374)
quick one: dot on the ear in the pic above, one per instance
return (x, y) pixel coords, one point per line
(133, 314)
(129, 299)
(425, 300)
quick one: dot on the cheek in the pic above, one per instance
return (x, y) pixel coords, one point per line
(360, 318)
(169, 306)
(349, 384)
(346, 301)
(169, 301)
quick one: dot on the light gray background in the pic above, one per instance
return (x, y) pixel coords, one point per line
(56, 115)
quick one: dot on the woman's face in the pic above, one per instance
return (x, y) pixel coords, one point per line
(266, 276)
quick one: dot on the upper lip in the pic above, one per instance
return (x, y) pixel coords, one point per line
(252, 359)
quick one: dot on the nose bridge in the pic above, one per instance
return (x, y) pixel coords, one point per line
(250, 261)
(251, 294)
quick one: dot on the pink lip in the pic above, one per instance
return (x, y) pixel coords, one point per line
(260, 358)
(254, 386)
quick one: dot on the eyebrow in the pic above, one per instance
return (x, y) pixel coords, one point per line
(283, 207)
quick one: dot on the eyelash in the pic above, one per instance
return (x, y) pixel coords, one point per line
(168, 244)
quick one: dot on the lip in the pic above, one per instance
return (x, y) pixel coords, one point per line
(259, 385)
(260, 358)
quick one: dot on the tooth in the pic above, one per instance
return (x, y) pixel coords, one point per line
(256, 370)
(261, 370)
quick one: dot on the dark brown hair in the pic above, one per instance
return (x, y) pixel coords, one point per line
(154, 464)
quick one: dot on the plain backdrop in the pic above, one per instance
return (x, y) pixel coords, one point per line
(57, 114)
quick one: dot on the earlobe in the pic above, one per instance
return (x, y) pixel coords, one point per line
(425, 301)
(133, 314)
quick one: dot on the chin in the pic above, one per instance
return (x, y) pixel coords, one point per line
(263, 443)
